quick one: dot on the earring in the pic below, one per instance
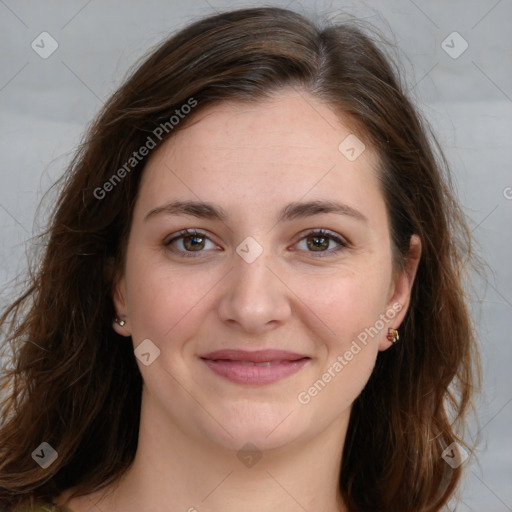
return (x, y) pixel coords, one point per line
(120, 322)
(393, 335)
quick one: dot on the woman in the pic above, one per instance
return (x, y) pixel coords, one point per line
(252, 294)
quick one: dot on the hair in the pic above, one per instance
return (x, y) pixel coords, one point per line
(74, 382)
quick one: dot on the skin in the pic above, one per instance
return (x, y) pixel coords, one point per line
(252, 160)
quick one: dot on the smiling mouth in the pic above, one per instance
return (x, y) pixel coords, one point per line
(255, 368)
(252, 363)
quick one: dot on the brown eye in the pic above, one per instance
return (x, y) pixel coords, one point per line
(193, 242)
(319, 241)
(187, 242)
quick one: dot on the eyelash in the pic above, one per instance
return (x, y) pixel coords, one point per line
(343, 244)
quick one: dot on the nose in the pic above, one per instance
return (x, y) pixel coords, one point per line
(255, 298)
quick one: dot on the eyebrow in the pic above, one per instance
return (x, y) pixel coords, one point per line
(292, 211)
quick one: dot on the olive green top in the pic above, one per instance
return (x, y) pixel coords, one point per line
(32, 505)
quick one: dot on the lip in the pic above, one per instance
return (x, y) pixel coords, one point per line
(255, 367)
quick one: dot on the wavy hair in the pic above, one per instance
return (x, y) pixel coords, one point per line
(74, 383)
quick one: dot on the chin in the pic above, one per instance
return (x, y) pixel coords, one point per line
(265, 425)
(253, 439)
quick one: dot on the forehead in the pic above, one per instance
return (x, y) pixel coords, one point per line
(290, 124)
(283, 148)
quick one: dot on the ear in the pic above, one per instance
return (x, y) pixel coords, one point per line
(400, 289)
(119, 300)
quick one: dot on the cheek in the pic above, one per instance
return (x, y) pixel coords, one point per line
(346, 301)
(162, 296)
(349, 304)
(349, 307)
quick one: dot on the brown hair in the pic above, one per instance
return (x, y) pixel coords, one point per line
(75, 385)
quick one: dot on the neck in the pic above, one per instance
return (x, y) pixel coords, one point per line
(173, 470)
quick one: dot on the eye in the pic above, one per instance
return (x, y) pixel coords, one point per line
(318, 241)
(190, 240)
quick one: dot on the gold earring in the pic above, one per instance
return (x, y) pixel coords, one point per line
(120, 322)
(392, 335)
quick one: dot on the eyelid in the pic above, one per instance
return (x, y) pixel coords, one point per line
(324, 232)
(184, 232)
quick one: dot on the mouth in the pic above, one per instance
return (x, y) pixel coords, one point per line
(255, 368)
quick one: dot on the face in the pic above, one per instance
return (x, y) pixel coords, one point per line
(265, 318)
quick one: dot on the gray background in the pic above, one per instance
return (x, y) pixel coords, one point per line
(46, 104)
